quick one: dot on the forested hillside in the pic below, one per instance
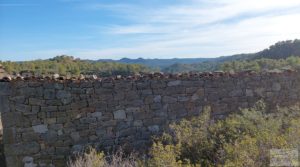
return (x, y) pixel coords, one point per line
(68, 65)
(285, 54)
(279, 50)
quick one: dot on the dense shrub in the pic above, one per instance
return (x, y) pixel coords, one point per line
(242, 139)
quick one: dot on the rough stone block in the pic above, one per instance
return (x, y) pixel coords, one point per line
(174, 83)
(169, 99)
(157, 99)
(10, 119)
(153, 128)
(126, 132)
(5, 88)
(21, 148)
(40, 128)
(10, 135)
(75, 136)
(120, 114)
(158, 84)
(4, 104)
(36, 102)
(49, 94)
(17, 99)
(138, 123)
(249, 93)
(49, 109)
(276, 87)
(62, 94)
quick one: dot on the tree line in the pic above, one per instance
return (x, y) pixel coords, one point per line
(68, 65)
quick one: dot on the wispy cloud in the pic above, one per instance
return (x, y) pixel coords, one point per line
(203, 28)
(187, 28)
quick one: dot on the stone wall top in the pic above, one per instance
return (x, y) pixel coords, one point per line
(145, 76)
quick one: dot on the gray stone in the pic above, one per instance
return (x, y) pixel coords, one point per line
(174, 83)
(62, 94)
(276, 87)
(100, 132)
(138, 123)
(4, 104)
(126, 132)
(148, 99)
(96, 114)
(236, 93)
(77, 149)
(54, 102)
(259, 91)
(168, 99)
(153, 128)
(119, 114)
(183, 98)
(36, 102)
(22, 148)
(5, 88)
(249, 93)
(27, 91)
(157, 99)
(10, 135)
(23, 108)
(35, 109)
(199, 94)
(49, 94)
(60, 132)
(49, 109)
(40, 128)
(75, 136)
(18, 99)
(10, 119)
(195, 97)
(62, 150)
(28, 162)
(29, 136)
(88, 120)
(158, 84)
(156, 106)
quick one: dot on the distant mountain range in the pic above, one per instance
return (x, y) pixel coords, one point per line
(159, 63)
(279, 50)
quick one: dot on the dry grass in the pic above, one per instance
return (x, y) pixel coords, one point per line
(94, 159)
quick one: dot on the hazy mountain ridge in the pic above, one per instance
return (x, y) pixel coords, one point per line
(280, 50)
(279, 55)
(159, 63)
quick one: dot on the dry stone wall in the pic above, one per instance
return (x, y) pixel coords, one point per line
(44, 121)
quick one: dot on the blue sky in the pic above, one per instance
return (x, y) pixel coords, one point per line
(102, 29)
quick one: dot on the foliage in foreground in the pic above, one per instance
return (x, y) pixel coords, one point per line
(242, 139)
